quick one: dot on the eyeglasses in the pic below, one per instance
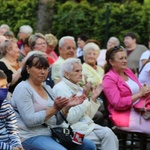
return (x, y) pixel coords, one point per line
(69, 48)
(43, 43)
(117, 48)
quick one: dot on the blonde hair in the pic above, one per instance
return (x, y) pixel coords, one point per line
(91, 46)
(33, 38)
(51, 39)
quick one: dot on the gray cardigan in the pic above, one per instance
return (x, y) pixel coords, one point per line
(30, 111)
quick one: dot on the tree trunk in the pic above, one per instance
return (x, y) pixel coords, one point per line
(45, 15)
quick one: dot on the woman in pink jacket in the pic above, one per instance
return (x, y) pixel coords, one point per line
(123, 90)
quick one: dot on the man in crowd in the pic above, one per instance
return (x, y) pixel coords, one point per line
(67, 49)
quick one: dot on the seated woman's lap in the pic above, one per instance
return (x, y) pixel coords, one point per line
(42, 143)
(46, 143)
(137, 123)
(86, 145)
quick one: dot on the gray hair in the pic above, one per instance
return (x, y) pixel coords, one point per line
(115, 39)
(64, 38)
(33, 38)
(91, 46)
(67, 65)
(5, 26)
(26, 29)
(34, 52)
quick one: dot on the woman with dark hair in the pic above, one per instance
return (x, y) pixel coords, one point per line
(36, 107)
(81, 41)
(123, 90)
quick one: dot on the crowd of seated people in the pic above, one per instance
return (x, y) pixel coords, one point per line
(33, 69)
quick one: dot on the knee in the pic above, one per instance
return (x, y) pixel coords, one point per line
(88, 145)
(108, 132)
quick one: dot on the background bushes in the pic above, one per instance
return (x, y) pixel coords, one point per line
(18, 12)
(70, 18)
(75, 18)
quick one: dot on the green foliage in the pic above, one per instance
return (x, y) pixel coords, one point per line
(18, 12)
(74, 18)
(98, 19)
(146, 2)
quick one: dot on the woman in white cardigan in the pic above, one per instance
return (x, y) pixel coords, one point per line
(80, 116)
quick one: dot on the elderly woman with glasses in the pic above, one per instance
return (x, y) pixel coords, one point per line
(123, 90)
(38, 42)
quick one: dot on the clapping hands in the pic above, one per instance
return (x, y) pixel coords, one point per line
(76, 100)
(87, 88)
(67, 103)
(96, 91)
(60, 102)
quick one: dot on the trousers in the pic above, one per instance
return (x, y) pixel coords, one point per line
(48, 143)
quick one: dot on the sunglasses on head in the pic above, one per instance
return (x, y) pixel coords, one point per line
(115, 48)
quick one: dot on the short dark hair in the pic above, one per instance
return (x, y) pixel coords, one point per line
(94, 41)
(26, 41)
(83, 37)
(130, 34)
(36, 60)
(2, 75)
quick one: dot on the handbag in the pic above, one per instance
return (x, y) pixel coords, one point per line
(143, 107)
(63, 135)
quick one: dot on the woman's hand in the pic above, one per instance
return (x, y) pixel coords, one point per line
(96, 92)
(60, 102)
(18, 148)
(145, 90)
(76, 100)
(87, 88)
(73, 101)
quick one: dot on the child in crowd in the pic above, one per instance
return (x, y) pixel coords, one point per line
(9, 139)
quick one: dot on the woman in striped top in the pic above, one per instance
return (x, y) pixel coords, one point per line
(9, 139)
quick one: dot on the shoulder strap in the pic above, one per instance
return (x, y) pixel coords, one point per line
(48, 93)
(69, 127)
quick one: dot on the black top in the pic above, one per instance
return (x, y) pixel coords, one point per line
(81, 58)
(9, 74)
